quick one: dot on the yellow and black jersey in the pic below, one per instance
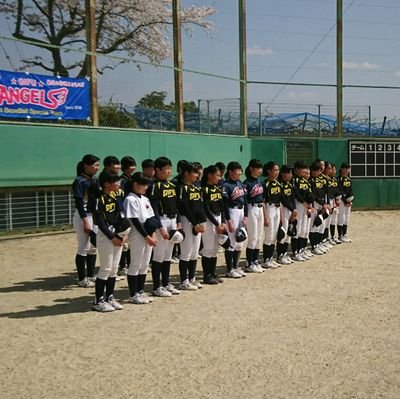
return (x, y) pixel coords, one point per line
(273, 192)
(346, 188)
(190, 203)
(333, 188)
(162, 195)
(108, 212)
(302, 190)
(213, 203)
(318, 187)
(287, 197)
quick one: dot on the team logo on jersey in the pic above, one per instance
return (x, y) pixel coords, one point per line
(275, 190)
(256, 190)
(287, 191)
(169, 193)
(194, 196)
(237, 193)
(215, 197)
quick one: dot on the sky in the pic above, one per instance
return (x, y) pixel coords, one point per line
(287, 41)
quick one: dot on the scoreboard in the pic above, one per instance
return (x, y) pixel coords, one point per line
(374, 159)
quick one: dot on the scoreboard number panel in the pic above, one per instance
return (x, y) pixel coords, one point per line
(377, 159)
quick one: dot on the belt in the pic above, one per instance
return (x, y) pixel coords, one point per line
(277, 205)
(169, 215)
(237, 207)
(256, 204)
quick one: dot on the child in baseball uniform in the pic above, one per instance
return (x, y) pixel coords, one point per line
(289, 213)
(346, 202)
(142, 237)
(214, 208)
(273, 213)
(162, 196)
(128, 167)
(193, 219)
(255, 224)
(107, 216)
(148, 169)
(236, 212)
(84, 189)
(336, 196)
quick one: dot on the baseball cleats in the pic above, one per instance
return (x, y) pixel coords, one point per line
(86, 283)
(102, 306)
(233, 274)
(317, 251)
(196, 283)
(187, 286)
(116, 305)
(139, 299)
(170, 288)
(253, 268)
(161, 292)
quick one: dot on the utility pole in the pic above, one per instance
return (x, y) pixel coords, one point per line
(91, 45)
(243, 67)
(339, 67)
(177, 39)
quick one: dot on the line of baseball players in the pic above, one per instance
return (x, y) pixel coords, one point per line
(136, 218)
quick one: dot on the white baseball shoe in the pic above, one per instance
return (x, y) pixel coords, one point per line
(116, 305)
(170, 288)
(233, 274)
(187, 286)
(102, 306)
(86, 283)
(139, 299)
(161, 292)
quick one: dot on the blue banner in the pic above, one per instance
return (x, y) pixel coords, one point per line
(31, 96)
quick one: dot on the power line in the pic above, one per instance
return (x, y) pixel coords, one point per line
(321, 18)
(309, 55)
(320, 33)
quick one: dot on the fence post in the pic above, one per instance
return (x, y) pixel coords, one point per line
(177, 39)
(243, 67)
(199, 112)
(91, 44)
(208, 116)
(339, 67)
(319, 120)
(260, 118)
(369, 121)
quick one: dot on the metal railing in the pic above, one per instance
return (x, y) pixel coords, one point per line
(35, 209)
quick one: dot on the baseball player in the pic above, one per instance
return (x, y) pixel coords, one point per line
(214, 208)
(128, 167)
(318, 187)
(109, 244)
(336, 195)
(222, 168)
(148, 169)
(236, 212)
(142, 237)
(273, 213)
(255, 199)
(162, 196)
(302, 191)
(84, 188)
(193, 219)
(345, 185)
(289, 213)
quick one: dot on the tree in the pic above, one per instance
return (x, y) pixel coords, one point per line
(156, 100)
(134, 27)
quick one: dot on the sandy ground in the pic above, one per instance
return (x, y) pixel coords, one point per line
(327, 328)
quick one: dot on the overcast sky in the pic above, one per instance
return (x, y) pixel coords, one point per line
(288, 40)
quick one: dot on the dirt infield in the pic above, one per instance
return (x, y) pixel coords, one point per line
(327, 328)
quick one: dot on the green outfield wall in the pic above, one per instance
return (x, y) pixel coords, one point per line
(40, 155)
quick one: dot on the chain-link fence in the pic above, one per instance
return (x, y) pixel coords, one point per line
(291, 63)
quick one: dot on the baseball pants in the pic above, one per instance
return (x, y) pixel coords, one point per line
(274, 218)
(140, 253)
(191, 244)
(236, 216)
(84, 245)
(162, 252)
(255, 225)
(109, 256)
(210, 239)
